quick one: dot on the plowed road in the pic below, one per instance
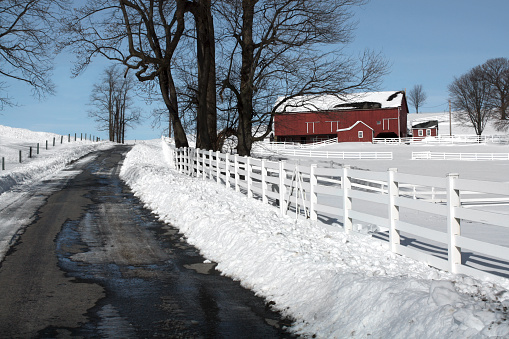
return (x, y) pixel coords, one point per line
(94, 263)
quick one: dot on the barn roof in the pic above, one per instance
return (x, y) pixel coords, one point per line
(426, 124)
(326, 102)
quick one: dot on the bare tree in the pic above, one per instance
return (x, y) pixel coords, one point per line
(274, 49)
(142, 35)
(472, 100)
(112, 100)
(27, 35)
(417, 97)
(496, 73)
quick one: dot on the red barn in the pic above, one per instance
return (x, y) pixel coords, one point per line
(353, 117)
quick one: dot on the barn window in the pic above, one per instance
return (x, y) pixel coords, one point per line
(360, 134)
(420, 133)
(378, 122)
(428, 132)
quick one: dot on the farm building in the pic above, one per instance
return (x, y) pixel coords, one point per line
(425, 129)
(353, 117)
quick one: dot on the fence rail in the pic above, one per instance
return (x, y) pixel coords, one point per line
(446, 139)
(354, 198)
(459, 156)
(326, 154)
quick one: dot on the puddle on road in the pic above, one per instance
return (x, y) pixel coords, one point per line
(202, 268)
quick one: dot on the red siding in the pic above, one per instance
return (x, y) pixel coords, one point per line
(353, 134)
(415, 132)
(328, 122)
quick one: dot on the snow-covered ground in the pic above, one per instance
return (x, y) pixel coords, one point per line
(331, 283)
(48, 161)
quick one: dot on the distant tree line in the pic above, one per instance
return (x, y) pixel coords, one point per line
(482, 95)
(112, 101)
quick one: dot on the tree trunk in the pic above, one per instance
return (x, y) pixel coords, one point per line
(206, 115)
(245, 106)
(170, 99)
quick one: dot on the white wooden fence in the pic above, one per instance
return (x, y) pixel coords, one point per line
(446, 139)
(459, 156)
(326, 154)
(356, 197)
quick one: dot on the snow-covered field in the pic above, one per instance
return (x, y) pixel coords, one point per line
(49, 161)
(331, 283)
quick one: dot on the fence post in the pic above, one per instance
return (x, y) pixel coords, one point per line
(37, 148)
(30, 152)
(264, 182)
(20, 157)
(227, 170)
(392, 193)
(210, 165)
(197, 157)
(249, 172)
(180, 160)
(185, 153)
(61, 139)
(346, 185)
(183, 167)
(3, 164)
(46, 144)
(218, 171)
(236, 172)
(453, 223)
(282, 187)
(53, 141)
(74, 137)
(313, 200)
(204, 166)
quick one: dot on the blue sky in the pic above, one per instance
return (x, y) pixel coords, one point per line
(426, 42)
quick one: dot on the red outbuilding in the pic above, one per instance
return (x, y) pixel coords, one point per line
(353, 117)
(425, 129)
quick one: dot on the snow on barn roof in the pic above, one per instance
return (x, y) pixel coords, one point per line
(426, 124)
(324, 102)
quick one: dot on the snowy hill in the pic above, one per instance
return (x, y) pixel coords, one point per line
(443, 124)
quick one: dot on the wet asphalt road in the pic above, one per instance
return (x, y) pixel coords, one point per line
(96, 264)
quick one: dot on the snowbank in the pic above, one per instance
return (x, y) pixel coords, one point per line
(332, 284)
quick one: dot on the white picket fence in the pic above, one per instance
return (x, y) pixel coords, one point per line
(459, 156)
(356, 197)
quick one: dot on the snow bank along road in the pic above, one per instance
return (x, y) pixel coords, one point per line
(334, 285)
(95, 263)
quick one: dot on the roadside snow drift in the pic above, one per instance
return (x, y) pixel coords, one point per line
(47, 162)
(331, 283)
